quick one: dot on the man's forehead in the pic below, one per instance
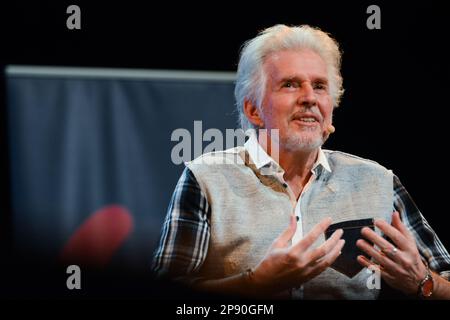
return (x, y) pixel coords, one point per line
(295, 64)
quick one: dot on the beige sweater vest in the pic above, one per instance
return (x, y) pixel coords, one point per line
(249, 210)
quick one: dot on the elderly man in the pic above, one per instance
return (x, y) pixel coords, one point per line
(251, 220)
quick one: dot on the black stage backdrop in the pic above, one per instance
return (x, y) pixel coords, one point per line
(73, 143)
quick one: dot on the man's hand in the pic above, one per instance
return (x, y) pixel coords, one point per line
(401, 265)
(285, 266)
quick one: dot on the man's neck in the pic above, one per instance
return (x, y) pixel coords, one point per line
(297, 165)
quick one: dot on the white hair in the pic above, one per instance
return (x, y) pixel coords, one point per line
(251, 78)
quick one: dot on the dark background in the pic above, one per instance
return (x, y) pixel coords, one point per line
(396, 79)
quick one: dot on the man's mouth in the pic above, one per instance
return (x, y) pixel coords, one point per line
(306, 119)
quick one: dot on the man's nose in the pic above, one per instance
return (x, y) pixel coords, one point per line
(307, 96)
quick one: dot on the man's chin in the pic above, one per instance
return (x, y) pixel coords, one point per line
(303, 144)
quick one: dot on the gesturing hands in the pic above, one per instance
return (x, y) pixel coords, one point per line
(401, 265)
(285, 267)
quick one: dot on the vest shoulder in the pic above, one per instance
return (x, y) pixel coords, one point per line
(339, 158)
(228, 156)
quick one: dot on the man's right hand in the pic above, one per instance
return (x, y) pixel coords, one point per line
(285, 267)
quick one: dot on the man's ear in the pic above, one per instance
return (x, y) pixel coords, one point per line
(253, 114)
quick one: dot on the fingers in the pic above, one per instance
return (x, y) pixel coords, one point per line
(311, 237)
(283, 239)
(398, 224)
(327, 260)
(331, 256)
(378, 256)
(396, 236)
(326, 247)
(372, 236)
(372, 266)
(367, 263)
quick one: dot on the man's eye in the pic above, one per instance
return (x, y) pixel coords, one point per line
(320, 86)
(289, 84)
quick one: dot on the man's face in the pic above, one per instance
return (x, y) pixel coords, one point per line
(297, 99)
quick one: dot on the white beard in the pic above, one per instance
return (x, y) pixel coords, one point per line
(300, 142)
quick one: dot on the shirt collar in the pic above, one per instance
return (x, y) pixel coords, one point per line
(257, 153)
(261, 159)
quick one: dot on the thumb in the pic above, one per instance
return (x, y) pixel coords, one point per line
(283, 239)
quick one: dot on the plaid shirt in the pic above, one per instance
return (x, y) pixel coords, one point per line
(186, 231)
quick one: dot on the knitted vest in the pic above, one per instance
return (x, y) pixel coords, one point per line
(249, 210)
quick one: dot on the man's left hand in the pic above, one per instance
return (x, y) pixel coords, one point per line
(400, 265)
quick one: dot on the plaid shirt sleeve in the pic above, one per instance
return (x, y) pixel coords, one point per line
(186, 231)
(429, 245)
